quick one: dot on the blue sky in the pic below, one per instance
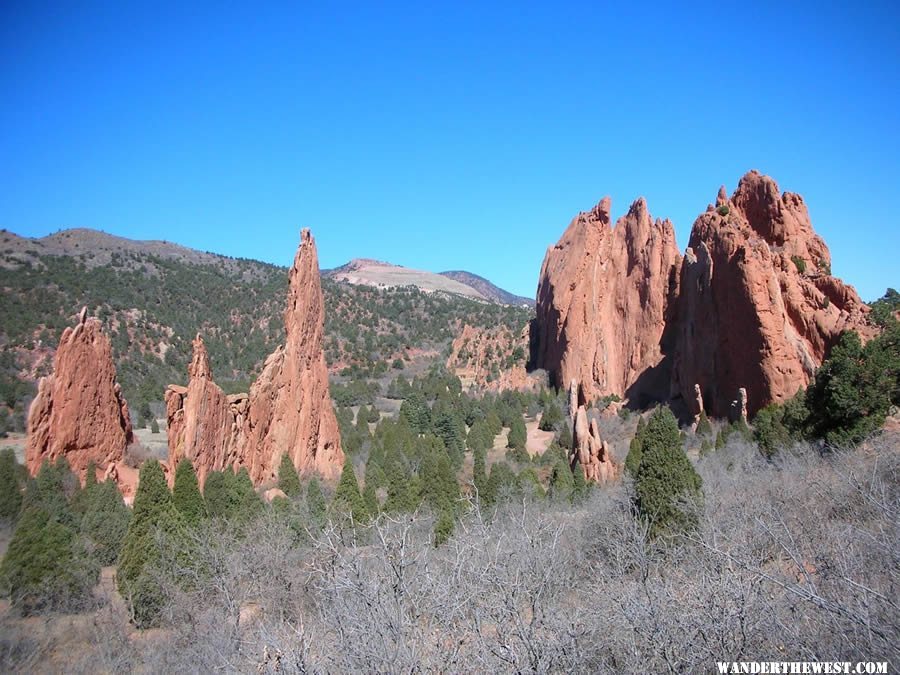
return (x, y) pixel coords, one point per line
(444, 135)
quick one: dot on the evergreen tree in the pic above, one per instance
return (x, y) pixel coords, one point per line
(416, 413)
(347, 500)
(10, 487)
(370, 499)
(562, 482)
(633, 458)
(315, 502)
(564, 437)
(186, 493)
(580, 486)
(104, 521)
(443, 527)
(552, 417)
(664, 476)
(248, 503)
(479, 471)
(502, 484)
(530, 482)
(450, 431)
(45, 567)
(155, 523)
(288, 480)
(518, 436)
(218, 494)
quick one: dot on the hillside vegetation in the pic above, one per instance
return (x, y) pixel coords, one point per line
(154, 299)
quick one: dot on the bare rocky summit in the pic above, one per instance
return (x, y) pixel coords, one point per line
(752, 305)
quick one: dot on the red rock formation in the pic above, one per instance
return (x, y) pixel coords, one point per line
(288, 410)
(290, 406)
(603, 301)
(589, 450)
(79, 412)
(204, 425)
(759, 308)
(754, 307)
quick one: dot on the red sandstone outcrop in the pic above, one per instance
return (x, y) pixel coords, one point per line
(759, 309)
(290, 406)
(288, 410)
(752, 306)
(603, 303)
(491, 359)
(204, 425)
(79, 411)
(589, 450)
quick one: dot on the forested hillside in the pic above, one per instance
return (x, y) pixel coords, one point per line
(154, 298)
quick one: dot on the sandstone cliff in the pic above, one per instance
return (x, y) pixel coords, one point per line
(759, 308)
(603, 301)
(752, 306)
(79, 412)
(491, 359)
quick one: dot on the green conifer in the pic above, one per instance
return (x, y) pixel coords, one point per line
(186, 493)
(288, 480)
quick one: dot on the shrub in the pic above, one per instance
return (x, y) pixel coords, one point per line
(800, 263)
(723, 210)
(704, 428)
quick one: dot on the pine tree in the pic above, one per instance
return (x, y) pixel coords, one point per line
(517, 434)
(288, 480)
(104, 521)
(370, 499)
(186, 493)
(580, 486)
(45, 567)
(665, 475)
(248, 503)
(219, 494)
(530, 482)
(10, 487)
(154, 523)
(347, 500)
(315, 502)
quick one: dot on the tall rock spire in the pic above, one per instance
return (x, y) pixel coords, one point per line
(79, 412)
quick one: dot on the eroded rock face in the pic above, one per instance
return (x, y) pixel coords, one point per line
(204, 425)
(603, 303)
(288, 410)
(79, 411)
(479, 358)
(752, 305)
(759, 309)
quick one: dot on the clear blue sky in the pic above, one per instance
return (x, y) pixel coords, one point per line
(444, 135)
